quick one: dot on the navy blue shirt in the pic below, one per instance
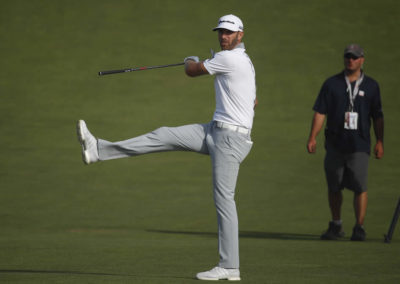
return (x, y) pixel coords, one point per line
(333, 100)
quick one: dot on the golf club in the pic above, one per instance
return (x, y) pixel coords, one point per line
(108, 72)
(388, 236)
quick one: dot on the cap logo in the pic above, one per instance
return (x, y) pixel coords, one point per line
(225, 21)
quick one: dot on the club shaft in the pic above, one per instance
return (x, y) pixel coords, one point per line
(108, 72)
(396, 216)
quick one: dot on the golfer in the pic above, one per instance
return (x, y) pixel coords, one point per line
(349, 100)
(226, 138)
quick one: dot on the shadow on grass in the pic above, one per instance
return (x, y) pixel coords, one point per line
(247, 234)
(31, 271)
(58, 272)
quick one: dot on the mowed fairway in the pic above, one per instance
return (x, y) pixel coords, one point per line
(151, 219)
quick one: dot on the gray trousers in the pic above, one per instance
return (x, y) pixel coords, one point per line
(227, 150)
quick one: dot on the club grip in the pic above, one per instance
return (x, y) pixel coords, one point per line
(108, 72)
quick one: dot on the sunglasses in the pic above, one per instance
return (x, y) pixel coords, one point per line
(351, 56)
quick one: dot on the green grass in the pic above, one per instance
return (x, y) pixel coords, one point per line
(151, 219)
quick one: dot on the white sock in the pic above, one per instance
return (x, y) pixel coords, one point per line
(337, 222)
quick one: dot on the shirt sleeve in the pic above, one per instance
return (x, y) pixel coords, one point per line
(321, 104)
(220, 64)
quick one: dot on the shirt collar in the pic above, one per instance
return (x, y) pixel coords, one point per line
(240, 45)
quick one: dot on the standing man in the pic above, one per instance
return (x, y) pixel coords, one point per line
(226, 138)
(349, 100)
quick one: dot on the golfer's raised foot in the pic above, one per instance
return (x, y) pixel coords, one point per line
(219, 273)
(333, 233)
(90, 153)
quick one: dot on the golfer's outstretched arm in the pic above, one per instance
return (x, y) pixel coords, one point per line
(317, 124)
(194, 69)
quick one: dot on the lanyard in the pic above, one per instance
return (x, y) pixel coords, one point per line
(353, 94)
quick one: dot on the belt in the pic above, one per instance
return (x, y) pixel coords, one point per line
(236, 128)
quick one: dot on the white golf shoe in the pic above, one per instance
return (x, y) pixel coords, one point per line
(90, 154)
(219, 273)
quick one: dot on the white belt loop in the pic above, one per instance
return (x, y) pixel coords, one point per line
(236, 128)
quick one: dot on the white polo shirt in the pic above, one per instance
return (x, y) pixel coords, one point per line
(235, 86)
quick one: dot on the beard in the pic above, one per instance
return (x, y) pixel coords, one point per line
(225, 45)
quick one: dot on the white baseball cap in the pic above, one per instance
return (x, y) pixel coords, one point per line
(230, 22)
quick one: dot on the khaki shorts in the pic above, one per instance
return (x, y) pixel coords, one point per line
(346, 170)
